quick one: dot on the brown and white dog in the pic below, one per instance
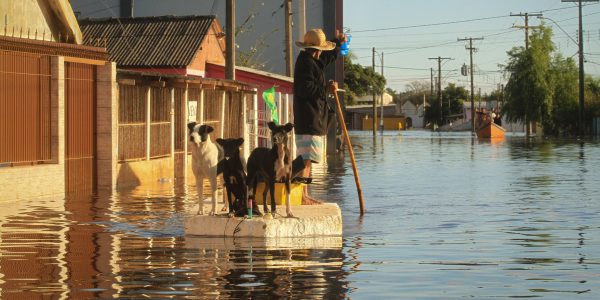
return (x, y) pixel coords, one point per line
(273, 165)
(205, 157)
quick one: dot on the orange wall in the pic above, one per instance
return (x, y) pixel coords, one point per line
(211, 50)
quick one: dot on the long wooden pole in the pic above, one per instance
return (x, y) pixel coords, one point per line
(351, 151)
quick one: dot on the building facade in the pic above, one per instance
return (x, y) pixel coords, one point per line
(57, 104)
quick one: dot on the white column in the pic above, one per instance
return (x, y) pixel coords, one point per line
(286, 109)
(222, 121)
(255, 117)
(107, 128)
(279, 108)
(246, 146)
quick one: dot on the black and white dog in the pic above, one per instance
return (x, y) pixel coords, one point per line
(273, 165)
(205, 157)
(233, 167)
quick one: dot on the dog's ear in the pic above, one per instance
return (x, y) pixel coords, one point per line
(239, 141)
(191, 125)
(221, 142)
(209, 129)
(272, 125)
(288, 127)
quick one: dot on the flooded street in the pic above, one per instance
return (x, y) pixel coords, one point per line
(448, 217)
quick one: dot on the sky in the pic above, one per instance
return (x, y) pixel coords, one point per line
(406, 50)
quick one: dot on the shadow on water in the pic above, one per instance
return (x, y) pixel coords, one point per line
(448, 216)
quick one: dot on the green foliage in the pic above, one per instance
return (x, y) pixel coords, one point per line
(455, 95)
(452, 94)
(360, 81)
(565, 103)
(529, 91)
(592, 98)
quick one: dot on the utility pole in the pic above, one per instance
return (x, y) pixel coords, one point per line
(439, 90)
(502, 95)
(581, 124)
(230, 40)
(381, 122)
(471, 49)
(288, 38)
(527, 27)
(374, 101)
(301, 18)
(431, 82)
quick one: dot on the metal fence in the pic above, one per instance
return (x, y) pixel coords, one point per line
(132, 122)
(80, 127)
(160, 122)
(153, 114)
(233, 117)
(212, 106)
(25, 108)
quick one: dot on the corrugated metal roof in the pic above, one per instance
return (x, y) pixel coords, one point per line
(165, 41)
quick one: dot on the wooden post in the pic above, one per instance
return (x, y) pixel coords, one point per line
(246, 145)
(172, 90)
(230, 40)
(148, 122)
(349, 145)
(185, 129)
(288, 38)
(222, 121)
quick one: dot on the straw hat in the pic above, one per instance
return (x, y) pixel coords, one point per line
(315, 38)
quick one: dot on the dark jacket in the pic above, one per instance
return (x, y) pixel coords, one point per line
(310, 92)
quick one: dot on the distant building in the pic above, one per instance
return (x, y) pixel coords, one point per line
(415, 114)
(368, 99)
(360, 117)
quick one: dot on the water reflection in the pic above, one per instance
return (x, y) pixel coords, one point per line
(132, 244)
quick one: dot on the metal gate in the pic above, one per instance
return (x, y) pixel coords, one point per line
(80, 124)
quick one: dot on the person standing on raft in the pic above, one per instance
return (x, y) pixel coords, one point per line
(310, 99)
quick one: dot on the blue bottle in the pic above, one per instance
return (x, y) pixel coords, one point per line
(345, 47)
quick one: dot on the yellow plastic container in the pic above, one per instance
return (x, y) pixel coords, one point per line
(295, 193)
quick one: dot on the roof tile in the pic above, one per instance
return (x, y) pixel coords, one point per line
(165, 41)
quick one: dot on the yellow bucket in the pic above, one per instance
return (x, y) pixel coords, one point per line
(295, 193)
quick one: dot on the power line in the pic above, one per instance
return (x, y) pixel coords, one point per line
(447, 23)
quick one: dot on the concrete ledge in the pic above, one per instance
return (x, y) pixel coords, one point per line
(310, 221)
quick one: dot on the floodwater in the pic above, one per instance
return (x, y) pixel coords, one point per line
(448, 217)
